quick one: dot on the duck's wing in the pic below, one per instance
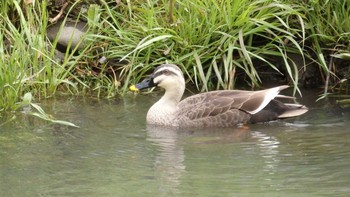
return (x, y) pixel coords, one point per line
(226, 103)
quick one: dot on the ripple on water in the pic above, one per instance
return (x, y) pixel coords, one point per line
(115, 154)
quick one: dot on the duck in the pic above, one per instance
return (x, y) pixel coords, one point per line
(220, 108)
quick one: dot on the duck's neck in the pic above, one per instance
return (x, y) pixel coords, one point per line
(172, 96)
(163, 111)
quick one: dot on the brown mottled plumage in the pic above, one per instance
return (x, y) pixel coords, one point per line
(222, 108)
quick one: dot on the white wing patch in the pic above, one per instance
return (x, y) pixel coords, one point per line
(271, 94)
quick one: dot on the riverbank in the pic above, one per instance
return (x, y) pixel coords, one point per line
(218, 44)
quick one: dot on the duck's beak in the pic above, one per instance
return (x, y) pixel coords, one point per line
(146, 83)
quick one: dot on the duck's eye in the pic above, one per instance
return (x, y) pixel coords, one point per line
(166, 72)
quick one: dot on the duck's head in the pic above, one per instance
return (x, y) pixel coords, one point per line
(167, 76)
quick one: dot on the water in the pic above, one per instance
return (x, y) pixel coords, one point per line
(115, 154)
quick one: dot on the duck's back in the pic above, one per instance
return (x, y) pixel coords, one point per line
(213, 109)
(227, 108)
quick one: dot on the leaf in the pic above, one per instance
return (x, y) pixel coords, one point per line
(27, 98)
(39, 109)
(200, 70)
(47, 117)
(62, 122)
(143, 43)
(345, 56)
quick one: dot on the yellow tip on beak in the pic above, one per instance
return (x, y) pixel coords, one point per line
(133, 88)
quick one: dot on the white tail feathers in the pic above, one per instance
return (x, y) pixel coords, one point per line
(295, 110)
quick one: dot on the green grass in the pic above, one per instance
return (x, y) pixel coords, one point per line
(328, 30)
(209, 39)
(24, 65)
(206, 36)
(28, 63)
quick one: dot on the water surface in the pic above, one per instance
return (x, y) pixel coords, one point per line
(114, 153)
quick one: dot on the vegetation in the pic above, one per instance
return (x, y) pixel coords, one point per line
(329, 34)
(27, 63)
(207, 38)
(216, 43)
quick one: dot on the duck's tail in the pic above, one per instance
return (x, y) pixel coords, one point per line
(278, 110)
(293, 110)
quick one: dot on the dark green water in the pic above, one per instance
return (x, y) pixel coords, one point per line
(115, 154)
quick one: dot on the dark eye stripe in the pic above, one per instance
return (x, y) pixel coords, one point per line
(164, 72)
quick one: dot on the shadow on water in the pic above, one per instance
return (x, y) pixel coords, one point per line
(114, 153)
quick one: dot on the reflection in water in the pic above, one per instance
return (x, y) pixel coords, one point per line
(112, 154)
(269, 150)
(170, 161)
